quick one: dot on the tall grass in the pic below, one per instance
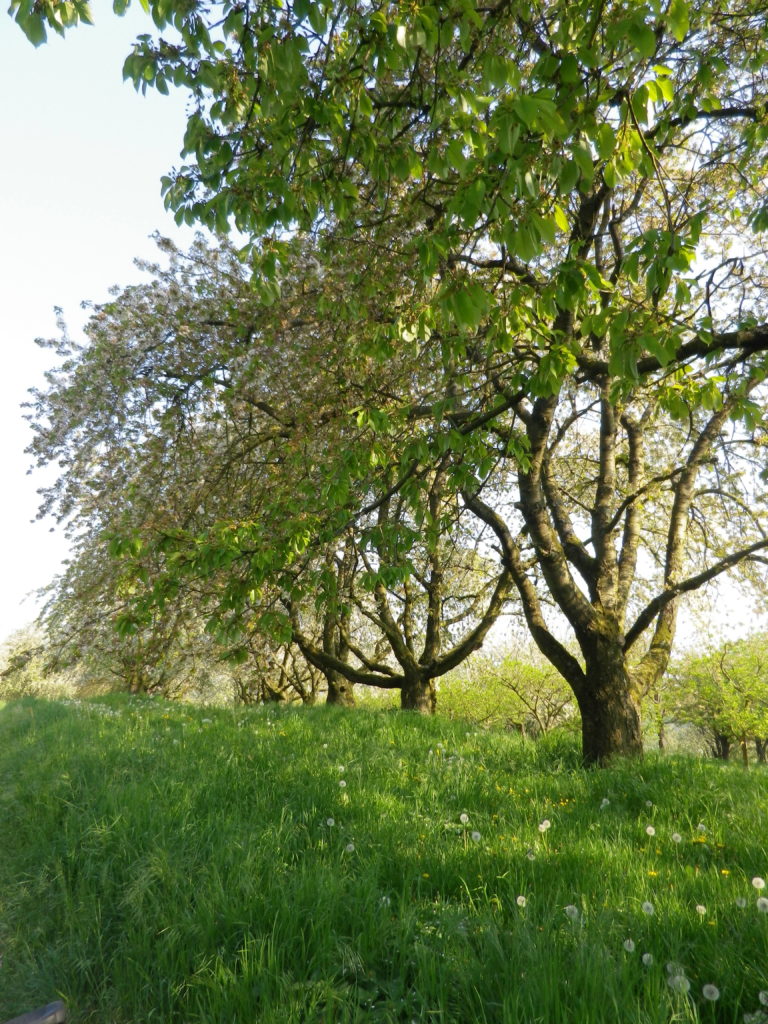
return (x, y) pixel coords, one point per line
(170, 864)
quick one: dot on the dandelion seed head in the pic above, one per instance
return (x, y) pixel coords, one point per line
(701, 909)
(650, 830)
(759, 883)
(647, 959)
(679, 983)
(342, 784)
(740, 902)
(463, 818)
(648, 908)
(762, 905)
(530, 855)
(350, 847)
(649, 803)
(544, 825)
(571, 912)
(330, 822)
(521, 901)
(629, 945)
(605, 802)
(701, 827)
(711, 992)
(763, 997)
(676, 837)
(475, 837)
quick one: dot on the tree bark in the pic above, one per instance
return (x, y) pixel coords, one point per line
(418, 694)
(610, 717)
(340, 690)
(721, 746)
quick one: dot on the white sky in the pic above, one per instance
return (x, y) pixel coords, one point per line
(82, 156)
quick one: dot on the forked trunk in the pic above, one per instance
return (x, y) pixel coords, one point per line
(418, 694)
(610, 718)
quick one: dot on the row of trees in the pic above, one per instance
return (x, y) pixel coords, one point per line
(498, 339)
(715, 703)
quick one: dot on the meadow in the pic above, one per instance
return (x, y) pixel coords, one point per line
(167, 863)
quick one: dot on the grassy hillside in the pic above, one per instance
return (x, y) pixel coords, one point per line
(169, 864)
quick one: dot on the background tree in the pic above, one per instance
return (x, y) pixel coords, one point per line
(725, 694)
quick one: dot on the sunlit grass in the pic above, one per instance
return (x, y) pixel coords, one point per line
(166, 863)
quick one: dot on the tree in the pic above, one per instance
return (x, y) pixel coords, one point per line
(528, 213)
(516, 688)
(725, 694)
(201, 431)
(430, 605)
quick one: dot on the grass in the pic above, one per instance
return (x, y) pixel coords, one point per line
(164, 863)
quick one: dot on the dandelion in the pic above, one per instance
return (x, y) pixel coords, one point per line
(762, 905)
(679, 983)
(649, 803)
(571, 912)
(530, 855)
(475, 837)
(650, 830)
(711, 992)
(701, 909)
(463, 818)
(759, 883)
(740, 902)
(701, 827)
(521, 901)
(330, 822)
(342, 784)
(648, 908)
(342, 768)
(544, 825)
(350, 847)
(763, 997)
(629, 945)
(676, 837)
(647, 959)
(605, 803)
(206, 721)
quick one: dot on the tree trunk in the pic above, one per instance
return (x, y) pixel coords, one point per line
(744, 750)
(340, 690)
(418, 694)
(610, 718)
(761, 749)
(722, 746)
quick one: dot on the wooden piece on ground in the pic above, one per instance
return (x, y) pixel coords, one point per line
(53, 1013)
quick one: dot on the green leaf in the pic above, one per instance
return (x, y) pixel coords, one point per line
(605, 141)
(33, 27)
(468, 304)
(560, 219)
(642, 37)
(569, 69)
(678, 19)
